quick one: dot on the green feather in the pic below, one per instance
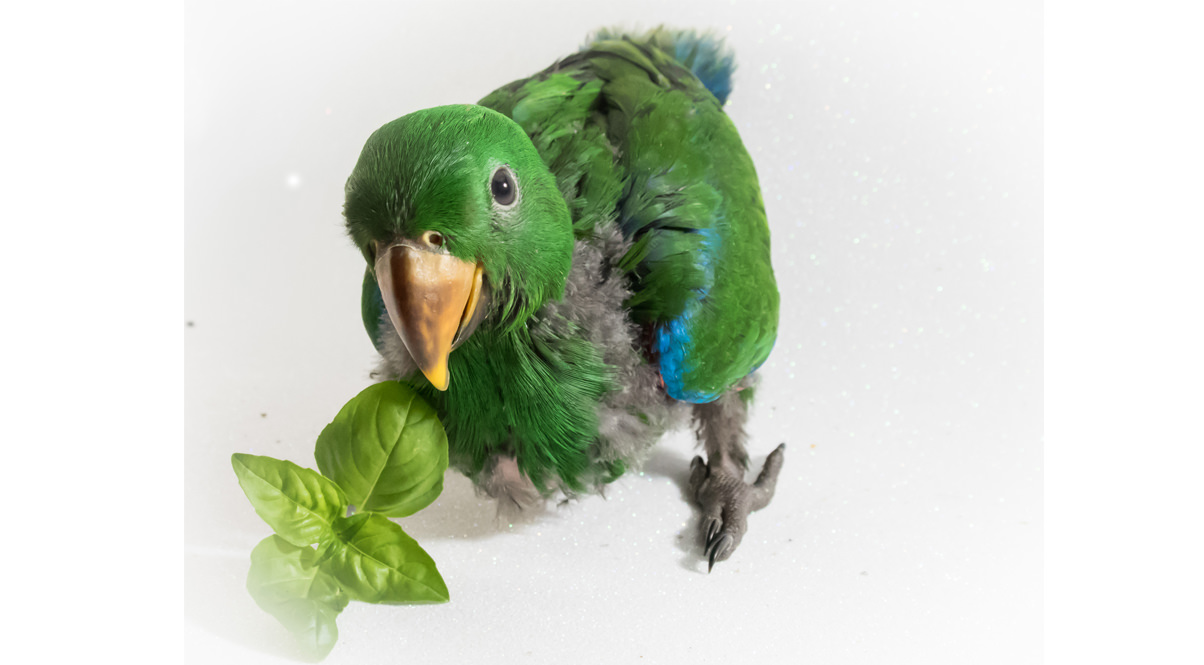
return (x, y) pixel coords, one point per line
(532, 394)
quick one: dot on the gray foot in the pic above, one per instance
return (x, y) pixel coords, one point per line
(512, 488)
(726, 500)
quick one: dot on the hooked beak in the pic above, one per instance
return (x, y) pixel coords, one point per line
(433, 300)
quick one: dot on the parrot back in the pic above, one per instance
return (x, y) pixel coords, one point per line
(632, 132)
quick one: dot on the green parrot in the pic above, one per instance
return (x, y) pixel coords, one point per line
(574, 265)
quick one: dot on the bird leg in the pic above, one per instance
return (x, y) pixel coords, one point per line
(718, 484)
(511, 487)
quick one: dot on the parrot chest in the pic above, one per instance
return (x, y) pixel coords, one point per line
(529, 396)
(570, 395)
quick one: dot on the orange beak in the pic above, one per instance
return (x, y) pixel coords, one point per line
(433, 300)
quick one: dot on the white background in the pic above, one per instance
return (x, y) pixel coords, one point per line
(899, 147)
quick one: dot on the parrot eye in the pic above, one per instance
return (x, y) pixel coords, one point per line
(503, 187)
(433, 239)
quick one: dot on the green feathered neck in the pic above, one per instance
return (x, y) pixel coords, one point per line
(531, 392)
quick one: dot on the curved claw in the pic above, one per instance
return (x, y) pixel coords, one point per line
(712, 528)
(718, 549)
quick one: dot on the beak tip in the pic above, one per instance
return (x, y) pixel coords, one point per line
(438, 376)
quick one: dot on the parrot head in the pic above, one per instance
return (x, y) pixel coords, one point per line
(461, 224)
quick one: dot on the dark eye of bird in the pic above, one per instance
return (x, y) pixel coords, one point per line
(503, 187)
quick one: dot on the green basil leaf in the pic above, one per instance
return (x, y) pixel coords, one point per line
(387, 449)
(377, 562)
(299, 504)
(287, 583)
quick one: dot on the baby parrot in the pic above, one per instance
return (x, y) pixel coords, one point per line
(574, 265)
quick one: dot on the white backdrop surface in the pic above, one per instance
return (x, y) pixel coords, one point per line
(899, 146)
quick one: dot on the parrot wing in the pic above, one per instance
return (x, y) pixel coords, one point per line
(628, 129)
